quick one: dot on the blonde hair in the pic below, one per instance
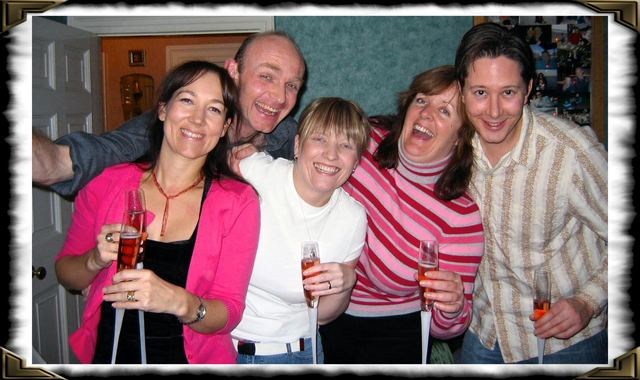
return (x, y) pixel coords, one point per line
(337, 115)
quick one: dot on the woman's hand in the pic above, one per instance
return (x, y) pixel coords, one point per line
(446, 290)
(106, 250)
(330, 278)
(150, 291)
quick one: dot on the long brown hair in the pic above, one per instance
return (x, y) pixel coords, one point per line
(454, 181)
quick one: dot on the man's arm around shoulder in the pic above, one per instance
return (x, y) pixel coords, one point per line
(51, 162)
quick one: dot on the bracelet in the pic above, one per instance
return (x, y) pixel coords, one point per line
(202, 311)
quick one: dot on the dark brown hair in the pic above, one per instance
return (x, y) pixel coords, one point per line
(490, 40)
(454, 180)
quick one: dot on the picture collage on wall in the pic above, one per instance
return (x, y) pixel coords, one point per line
(561, 47)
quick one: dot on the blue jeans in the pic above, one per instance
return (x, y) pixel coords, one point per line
(301, 357)
(589, 351)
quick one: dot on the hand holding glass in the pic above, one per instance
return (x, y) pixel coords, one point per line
(310, 257)
(427, 262)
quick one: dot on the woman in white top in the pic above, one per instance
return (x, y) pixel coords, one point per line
(302, 200)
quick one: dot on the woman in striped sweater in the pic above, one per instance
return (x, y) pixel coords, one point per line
(412, 181)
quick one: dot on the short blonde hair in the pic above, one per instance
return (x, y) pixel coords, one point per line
(337, 115)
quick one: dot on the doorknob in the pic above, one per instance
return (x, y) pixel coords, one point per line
(39, 273)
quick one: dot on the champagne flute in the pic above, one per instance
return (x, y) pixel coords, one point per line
(311, 257)
(427, 262)
(132, 231)
(136, 212)
(132, 236)
(541, 302)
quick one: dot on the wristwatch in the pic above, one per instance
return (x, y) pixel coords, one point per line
(202, 311)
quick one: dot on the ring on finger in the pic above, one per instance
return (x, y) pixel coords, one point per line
(131, 296)
(109, 237)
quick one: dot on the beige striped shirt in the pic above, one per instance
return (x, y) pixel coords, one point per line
(543, 204)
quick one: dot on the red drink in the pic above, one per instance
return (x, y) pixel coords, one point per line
(136, 220)
(423, 268)
(540, 307)
(143, 238)
(306, 264)
(128, 250)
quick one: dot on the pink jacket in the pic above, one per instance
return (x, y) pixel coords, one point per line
(220, 268)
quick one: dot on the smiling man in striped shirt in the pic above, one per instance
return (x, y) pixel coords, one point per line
(541, 185)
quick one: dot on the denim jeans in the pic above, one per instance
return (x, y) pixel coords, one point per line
(300, 357)
(589, 351)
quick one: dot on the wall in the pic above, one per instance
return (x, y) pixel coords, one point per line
(366, 59)
(371, 59)
(116, 64)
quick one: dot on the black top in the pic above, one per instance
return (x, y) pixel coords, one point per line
(163, 332)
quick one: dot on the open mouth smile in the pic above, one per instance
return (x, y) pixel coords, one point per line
(190, 134)
(423, 130)
(325, 169)
(267, 110)
(494, 124)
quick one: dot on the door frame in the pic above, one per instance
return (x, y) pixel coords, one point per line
(66, 96)
(168, 25)
(126, 26)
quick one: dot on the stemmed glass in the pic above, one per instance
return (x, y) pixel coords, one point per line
(132, 236)
(311, 257)
(427, 261)
(541, 302)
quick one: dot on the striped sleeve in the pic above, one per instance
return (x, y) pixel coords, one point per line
(588, 203)
(460, 253)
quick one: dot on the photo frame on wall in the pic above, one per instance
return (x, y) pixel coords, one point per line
(137, 58)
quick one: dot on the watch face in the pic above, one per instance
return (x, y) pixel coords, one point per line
(202, 311)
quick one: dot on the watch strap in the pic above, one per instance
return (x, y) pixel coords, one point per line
(202, 311)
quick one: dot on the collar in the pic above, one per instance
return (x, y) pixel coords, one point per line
(424, 174)
(282, 134)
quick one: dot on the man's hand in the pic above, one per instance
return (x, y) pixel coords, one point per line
(51, 162)
(564, 319)
(238, 153)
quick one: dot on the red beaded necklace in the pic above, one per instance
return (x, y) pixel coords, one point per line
(165, 215)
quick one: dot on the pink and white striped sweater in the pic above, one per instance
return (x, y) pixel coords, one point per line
(402, 209)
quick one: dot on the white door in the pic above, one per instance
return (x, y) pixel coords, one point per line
(67, 97)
